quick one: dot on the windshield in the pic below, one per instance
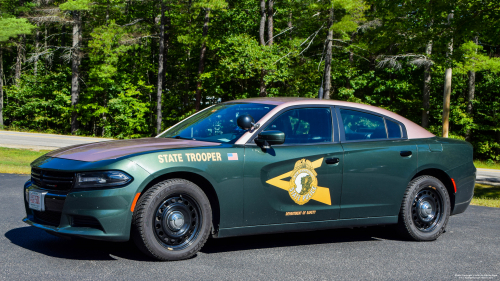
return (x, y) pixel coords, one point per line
(218, 123)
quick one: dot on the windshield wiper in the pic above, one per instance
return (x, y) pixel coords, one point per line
(179, 137)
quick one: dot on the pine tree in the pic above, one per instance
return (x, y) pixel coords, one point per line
(75, 8)
(10, 27)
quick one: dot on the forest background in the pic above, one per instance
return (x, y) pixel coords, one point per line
(130, 68)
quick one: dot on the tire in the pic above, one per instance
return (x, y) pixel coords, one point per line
(425, 209)
(172, 220)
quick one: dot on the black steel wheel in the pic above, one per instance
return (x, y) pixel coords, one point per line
(177, 221)
(172, 220)
(425, 209)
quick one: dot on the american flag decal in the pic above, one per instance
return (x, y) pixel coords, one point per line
(232, 156)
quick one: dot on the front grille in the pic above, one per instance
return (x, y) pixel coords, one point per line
(52, 180)
(47, 217)
(85, 221)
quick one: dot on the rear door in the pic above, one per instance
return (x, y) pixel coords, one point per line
(293, 182)
(379, 161)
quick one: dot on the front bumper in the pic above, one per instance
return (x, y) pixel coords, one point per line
(94, 214)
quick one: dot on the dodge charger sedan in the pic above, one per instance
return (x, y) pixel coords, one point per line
(254, 166)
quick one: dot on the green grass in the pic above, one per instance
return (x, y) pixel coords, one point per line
(24, 130)
(17, 161)
(486, 165)
(486, 195)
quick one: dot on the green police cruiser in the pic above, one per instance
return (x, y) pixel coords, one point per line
(254, 166)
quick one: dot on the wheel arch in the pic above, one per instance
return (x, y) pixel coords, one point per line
(200, 181)
(444, 178)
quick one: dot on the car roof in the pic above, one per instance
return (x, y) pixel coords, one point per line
(414, 131)
(273, 101)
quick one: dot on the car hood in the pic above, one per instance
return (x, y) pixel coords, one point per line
(118, 148)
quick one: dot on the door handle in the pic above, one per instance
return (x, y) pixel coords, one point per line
(405, 153)
(334, 160)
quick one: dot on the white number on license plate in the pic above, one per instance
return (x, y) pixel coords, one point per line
(36, 200)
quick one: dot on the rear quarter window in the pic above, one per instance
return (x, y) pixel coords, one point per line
(362, 126)
(393, 129)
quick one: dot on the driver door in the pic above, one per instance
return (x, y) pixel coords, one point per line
(299, 180)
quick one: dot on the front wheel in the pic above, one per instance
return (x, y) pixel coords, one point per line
(172, 220)
(425, 209)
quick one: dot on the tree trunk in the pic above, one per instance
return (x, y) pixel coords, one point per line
(19, 59)
(1, 88)
(426, 92)
(161, 68)
(45, 49)
(262, 31)
(328, 58)
(262, 92)
(446, 101)
(262, 28)
(201, 66)
(20, 54)
(37, 46)
(290, 24)
(270, 25)
(166, 44)
(185, 98)
(150, 74)
(351, 62)
(63, 41)
(75, 68)
(107, 13)
(471, 88)
(447, 87)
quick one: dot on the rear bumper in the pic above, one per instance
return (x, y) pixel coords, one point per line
(465, 180)
(460, 208)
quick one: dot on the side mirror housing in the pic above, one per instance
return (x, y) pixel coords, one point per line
(245, 122)
(267, 138)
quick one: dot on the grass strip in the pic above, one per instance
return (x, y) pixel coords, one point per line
(486, 165)
(486, 195)
(17, 161)
(486, 202)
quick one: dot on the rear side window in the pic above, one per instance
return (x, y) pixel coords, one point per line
(304, 125)
(393, 129)
(362, 126)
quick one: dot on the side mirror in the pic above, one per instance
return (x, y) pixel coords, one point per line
(267, 138)
(245, 122)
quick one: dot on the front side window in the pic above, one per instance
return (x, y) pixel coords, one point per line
(304, 125)
(218, 123)
(362, 126)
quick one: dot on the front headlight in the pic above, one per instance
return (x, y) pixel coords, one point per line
(101, 179)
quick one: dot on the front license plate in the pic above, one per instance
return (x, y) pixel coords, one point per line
(36, 200)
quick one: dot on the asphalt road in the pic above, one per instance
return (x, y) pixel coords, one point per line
(488, 176)
(470, 246)
(41, 141)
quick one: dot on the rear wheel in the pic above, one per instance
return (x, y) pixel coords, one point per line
(172, 220)
(425, 209)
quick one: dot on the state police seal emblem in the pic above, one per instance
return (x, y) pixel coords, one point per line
(304, 183)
